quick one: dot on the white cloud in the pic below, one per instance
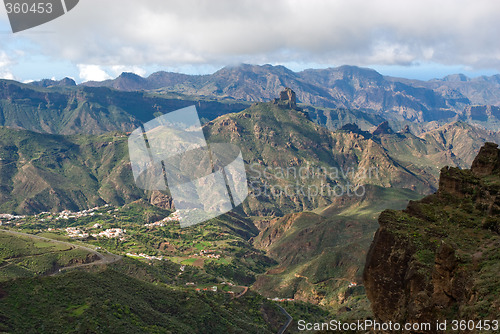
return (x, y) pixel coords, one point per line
(6, 74)
(119, 69)
(219, 32)
(92, 73)
(5, 65)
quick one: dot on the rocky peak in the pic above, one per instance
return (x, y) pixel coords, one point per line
(456, 78)
(354, 128)
(406, 129)
(460, 183)
(287, 98)
(66, 82)
(383, 129)
(487, 162)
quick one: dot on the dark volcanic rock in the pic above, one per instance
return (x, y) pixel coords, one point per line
(383, 129)
(487, 161)
(351, 127)
(354, 128)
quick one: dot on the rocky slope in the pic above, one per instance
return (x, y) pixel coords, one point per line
(278, 143)
(486, 116)
(321, 252)
(58, 107)
(41, 172)
(439, 259)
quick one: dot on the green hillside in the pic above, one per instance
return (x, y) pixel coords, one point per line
(295, 236)
(40, 172)
(278, 143)
(23, 256)
(110, 302)
(321, 253)
(87, 110)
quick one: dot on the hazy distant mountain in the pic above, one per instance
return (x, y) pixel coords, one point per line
(345, 87)
(482, 90)
(66, 82)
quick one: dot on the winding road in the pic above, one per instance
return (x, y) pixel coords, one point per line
(289, 321)
(106, 258)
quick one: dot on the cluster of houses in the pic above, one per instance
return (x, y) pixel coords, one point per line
(8, 217)
(111, 233)
(66, 214)
(149, 257)
(214, 289)
(277, 299)
(208, 253)
(173, 217)
(75, 232)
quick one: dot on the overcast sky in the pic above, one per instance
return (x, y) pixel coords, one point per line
(99, 39)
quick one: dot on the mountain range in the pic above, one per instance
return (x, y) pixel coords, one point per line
(344, 87)
(43, 172)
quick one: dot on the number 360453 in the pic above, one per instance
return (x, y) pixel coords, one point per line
(25, 8)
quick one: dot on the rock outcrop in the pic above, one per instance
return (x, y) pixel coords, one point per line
(66, 82)
(488, 160)
(383, 129)
(161, 200)
(406, 129)
(438, 259)
(287, 98)
(354, 128)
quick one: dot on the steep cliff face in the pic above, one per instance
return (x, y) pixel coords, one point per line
(439, 258)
